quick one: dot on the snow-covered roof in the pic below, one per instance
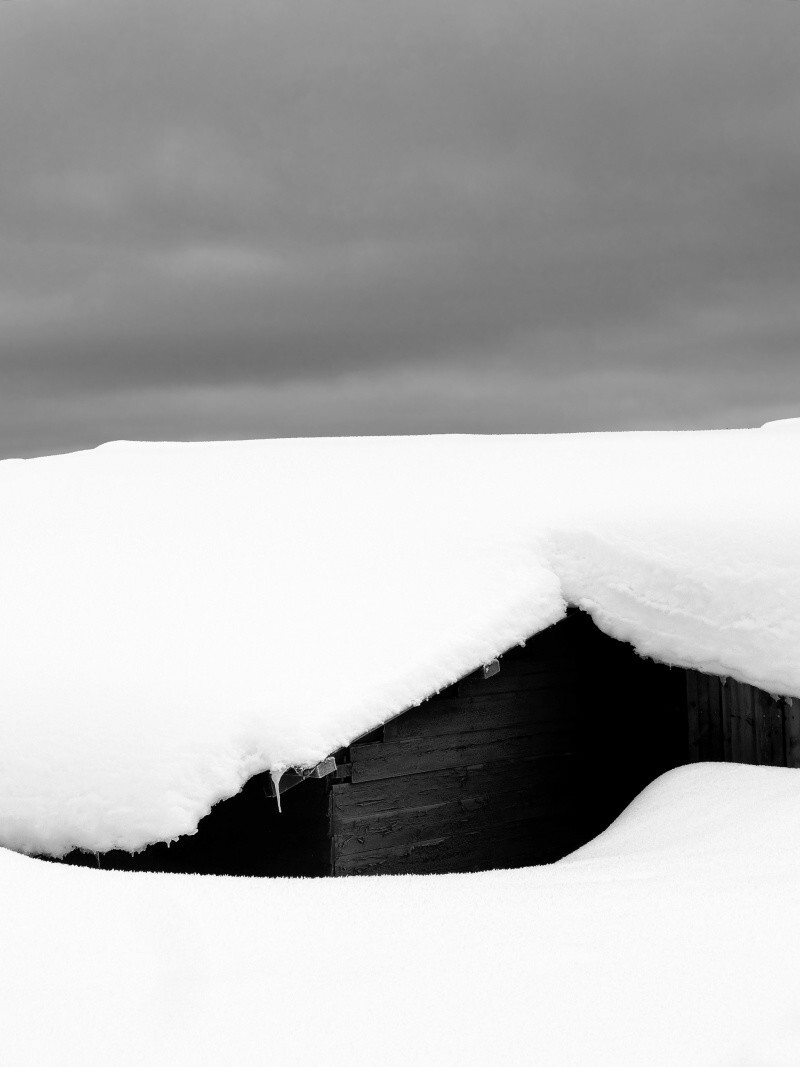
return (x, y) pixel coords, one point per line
(178, 617)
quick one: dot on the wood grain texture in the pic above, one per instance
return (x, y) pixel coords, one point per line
(539, 775)
(513, 845)
(418, 756)
(791, 718)
(466, 815)
(526, 765)
(555, 702)
(694, 713)
(734, 722)
(713, 712)
(483, 774)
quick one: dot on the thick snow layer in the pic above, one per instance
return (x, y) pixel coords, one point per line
(673, 939)
(178, 617)
(782, 424)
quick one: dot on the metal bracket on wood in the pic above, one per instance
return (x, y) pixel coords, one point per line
(491, 668)
(291, 778)
(323, 768)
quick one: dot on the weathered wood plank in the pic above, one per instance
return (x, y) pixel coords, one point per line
(521, 676)
(725, 718)
(397, 758)
(466, 715)
(749, 721)
(761, 703)
(467, 739)
(743, 737)
(770, 741)
(736, 722)
(694, 713)
(711, 736)
(734, 694)
(778, 729)
(713, 713)
(486, 813)
(515, 845)
(538, 774)
(348, 811)
(702, 717)
(791, 719)
(475, 685)
(736, 715)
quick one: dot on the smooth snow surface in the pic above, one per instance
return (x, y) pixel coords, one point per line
(782, 424)
(670, 941)
(178, 617)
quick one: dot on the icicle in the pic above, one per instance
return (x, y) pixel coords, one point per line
(276, 776)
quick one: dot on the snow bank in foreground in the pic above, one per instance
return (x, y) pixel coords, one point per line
(178, 617)
(671, 939)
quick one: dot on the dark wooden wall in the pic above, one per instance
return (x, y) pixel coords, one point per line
(470, 779)
(512, 770)
(733, 722)
(516, 769)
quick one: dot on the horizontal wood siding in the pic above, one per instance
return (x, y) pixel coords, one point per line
(791, 732)
(415, 756)
(729, 721)
(515, 769)
(444, 716)
(514, 845)
(482, 775)
(457, 817)
(387, 796)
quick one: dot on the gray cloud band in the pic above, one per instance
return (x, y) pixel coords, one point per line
(267, 194)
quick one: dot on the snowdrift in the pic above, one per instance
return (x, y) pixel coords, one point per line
(179, 617)
(671, 939)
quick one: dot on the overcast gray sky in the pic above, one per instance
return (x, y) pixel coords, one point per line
(262, 218)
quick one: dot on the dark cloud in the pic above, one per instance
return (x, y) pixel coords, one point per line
(276, 203)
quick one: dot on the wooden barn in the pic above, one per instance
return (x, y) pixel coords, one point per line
(518, 763)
